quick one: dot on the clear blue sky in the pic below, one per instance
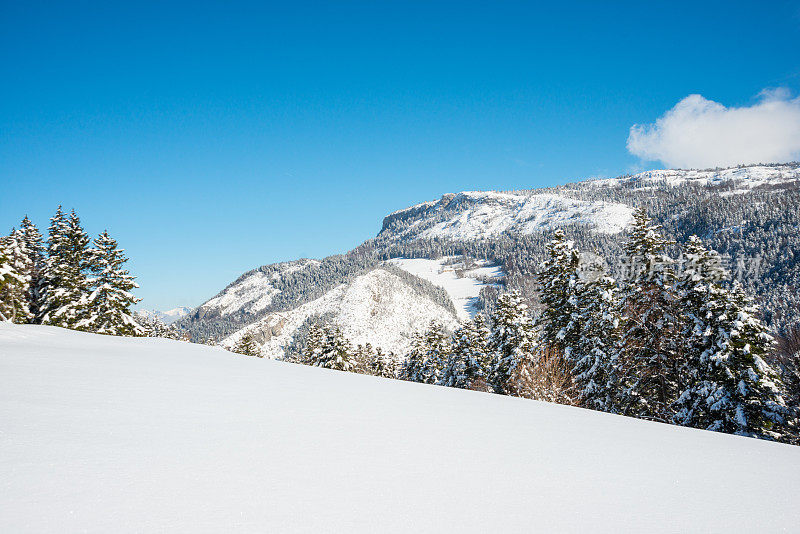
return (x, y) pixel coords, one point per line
(211, 138)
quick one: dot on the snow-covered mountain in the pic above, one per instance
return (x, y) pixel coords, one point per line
(109, 434)
(469, 244)
(168, 316)
(462, 282)
(381, 307)
(253, 291)
(736, 179)
(482, 214)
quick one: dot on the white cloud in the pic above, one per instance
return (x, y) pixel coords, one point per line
(700, 133)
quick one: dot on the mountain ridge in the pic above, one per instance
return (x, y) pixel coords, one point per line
(508, 229)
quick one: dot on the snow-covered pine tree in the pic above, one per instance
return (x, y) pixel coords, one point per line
(336, 351)
(438, 348)
(314, 343)
(382, 364)
(729, 388)
(558, 286)
(247, 345)
(36, 261)
(362, 358)
(413, 366)
(700, 294)
(108, 305)
(16, 279)
(651, 338)
(66, 284)
(470, 361)
(8, 277)
(512, 345)
(597, 366)
(155, 327)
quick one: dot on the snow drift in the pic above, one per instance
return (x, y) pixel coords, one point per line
(109, 434)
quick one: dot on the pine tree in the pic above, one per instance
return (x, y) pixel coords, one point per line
(597, 367)
(335, 352)
(651, 338)
(729, 388)
(8, 277)
(383, 364)
(699, 291)
(512, 345)
(66, 284)
(314, 343)
(559, 285)
(247, 345)
(36, 262)
(108, 306)
(15, 283)
(413, 367)
(470, 360)
(428, 356)
(438, 348)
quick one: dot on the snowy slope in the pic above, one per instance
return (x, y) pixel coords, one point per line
(463, 286)
(480, 214)
(103, 434)
(377, 307)
(252, 292)
(742, 178)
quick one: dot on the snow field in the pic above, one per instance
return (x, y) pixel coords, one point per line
(104, 434)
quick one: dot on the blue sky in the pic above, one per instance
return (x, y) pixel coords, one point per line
(211, 138)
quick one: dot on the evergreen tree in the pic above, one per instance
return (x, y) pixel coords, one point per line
(247, 345)
(314, 343)
(383, 364)
(335, 352)
(36, 262)
(470, 359)
(66, 284)
(559, 285)
(428, 356)
(700, 292)
(108, 306)
(362, 358)
(651, 336)
(597, 367)
(413, 367)
(512, 345)
(15, 284)
(155, 327)
(729, 388)
(438, 348)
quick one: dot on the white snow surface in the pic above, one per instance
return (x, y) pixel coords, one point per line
(253, 292)
(105, 434)
(479, 214)
(463, 290)
(377, 308)
(744, 178)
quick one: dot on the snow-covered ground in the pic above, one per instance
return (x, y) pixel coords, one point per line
(377, 308)
(744, 178)
(103, 434)
(463, 290)
(478, 214)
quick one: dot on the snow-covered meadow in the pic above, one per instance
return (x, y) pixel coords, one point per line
(106, 434)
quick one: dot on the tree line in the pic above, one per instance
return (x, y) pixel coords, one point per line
(69, 280)
(681, 346)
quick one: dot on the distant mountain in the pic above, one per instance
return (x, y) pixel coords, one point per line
(166, 317)
(447, 259)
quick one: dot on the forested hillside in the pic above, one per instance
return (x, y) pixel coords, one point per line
(750, 215)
